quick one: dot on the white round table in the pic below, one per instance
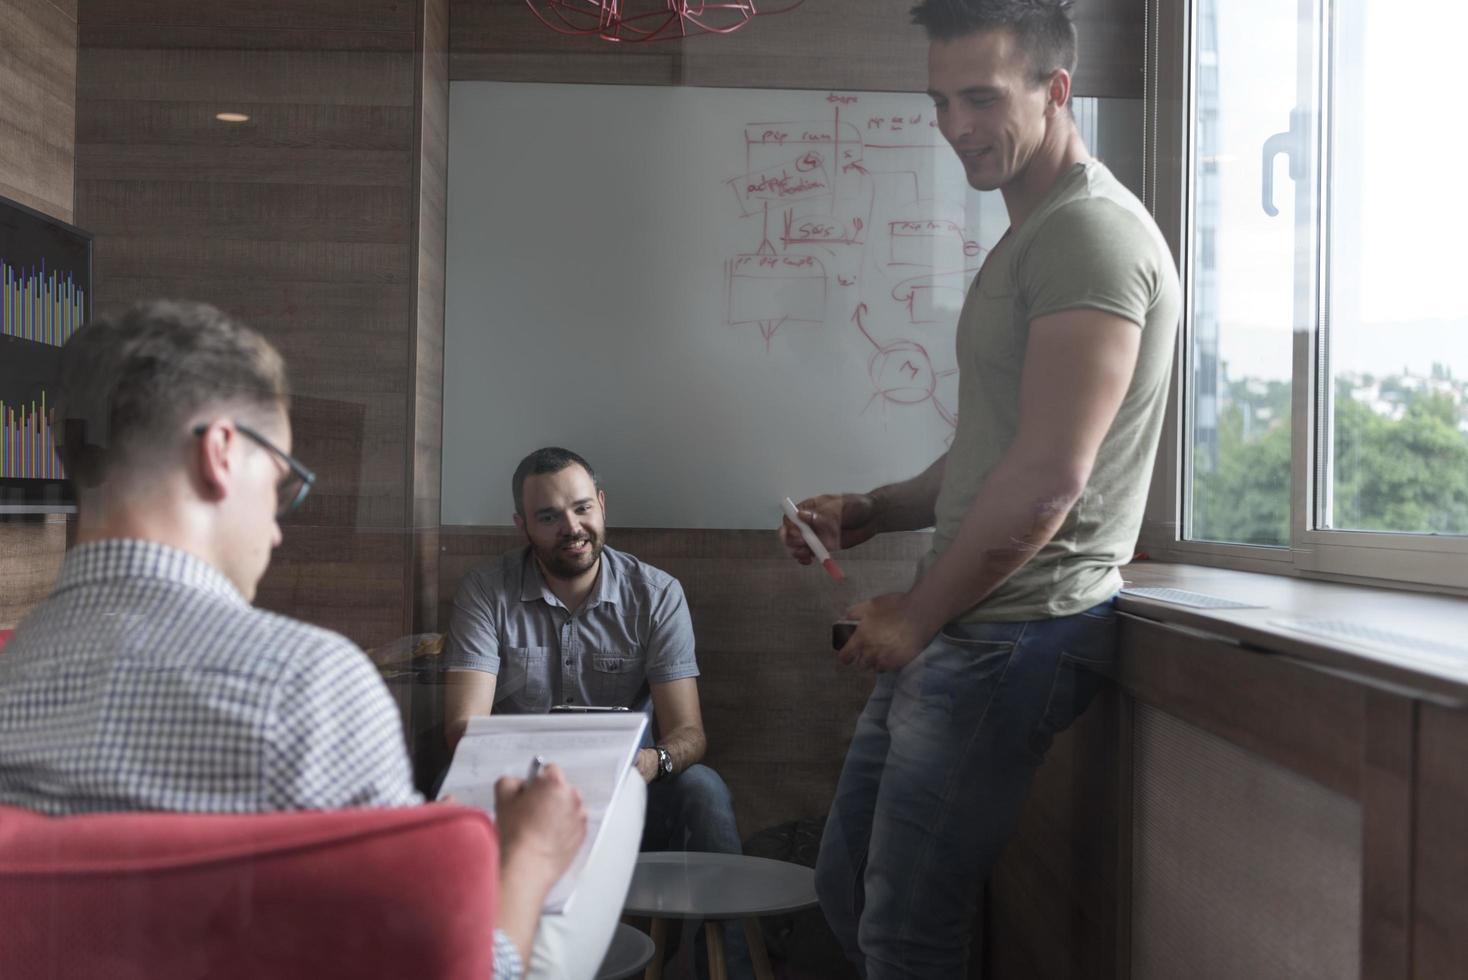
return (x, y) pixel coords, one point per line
(715, 888)
(630, 950)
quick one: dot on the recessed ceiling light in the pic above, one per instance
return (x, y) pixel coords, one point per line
(231, 117)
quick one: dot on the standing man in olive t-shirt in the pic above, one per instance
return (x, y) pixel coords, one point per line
(1065, 346)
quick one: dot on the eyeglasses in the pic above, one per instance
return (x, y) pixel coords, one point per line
(294, 486)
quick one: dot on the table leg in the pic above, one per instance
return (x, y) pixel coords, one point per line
(758, 956)
(713, 933)
(658, 928)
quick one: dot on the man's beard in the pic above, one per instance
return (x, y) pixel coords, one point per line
(559, 564)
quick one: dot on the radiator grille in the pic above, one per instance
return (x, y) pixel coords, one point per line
(1241, 869)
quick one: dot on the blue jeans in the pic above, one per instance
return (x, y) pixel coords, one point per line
(940, 763)
(693, 811)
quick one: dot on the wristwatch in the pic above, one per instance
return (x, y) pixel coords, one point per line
(665, 763)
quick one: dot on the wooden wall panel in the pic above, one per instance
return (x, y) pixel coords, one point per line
(30, 558)
(823, 44)
(231, 77)
(342, 578)
(778, 708)
(1439, 904)
(432, 230)
(38, 104)
(1051, 908)
(303, 222)
(195, 206)
(1387, 812)
(179, 23)
(1302, 719)
(37, 138)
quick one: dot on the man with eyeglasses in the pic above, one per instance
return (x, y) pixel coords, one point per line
(147, 681)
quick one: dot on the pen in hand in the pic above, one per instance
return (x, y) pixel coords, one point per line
(536, 764)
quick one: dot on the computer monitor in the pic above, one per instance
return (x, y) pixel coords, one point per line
(45, 297)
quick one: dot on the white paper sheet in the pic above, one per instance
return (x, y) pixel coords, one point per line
(594, 750)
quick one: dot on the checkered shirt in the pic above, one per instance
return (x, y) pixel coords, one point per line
(147, 682)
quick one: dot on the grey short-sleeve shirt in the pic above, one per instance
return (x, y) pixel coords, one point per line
(1090, 244)
(633, 630)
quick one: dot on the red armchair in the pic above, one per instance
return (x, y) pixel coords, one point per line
(406, 892)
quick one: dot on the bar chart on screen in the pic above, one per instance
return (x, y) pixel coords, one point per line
(40, 308)
(45, 300)
(38, 304)
(28, 443)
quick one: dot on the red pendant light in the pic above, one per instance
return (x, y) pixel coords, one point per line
(650, 20)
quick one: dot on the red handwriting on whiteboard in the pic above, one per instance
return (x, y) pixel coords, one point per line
(784, 184)
(826, 230)
(901, 372)
(924, 227)
(898, 124)
(771, 290)
(842, 99)
(809, 162)
(745, 262)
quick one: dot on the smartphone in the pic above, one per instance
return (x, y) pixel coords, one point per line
(841, 631)
(583, 708)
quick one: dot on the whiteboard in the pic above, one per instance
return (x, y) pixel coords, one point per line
(718, 297)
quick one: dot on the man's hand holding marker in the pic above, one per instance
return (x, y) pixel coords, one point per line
(810, 539)
(883, 637)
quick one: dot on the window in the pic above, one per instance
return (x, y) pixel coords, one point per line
(1241, 300)
(1324, 392)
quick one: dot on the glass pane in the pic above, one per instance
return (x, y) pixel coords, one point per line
(1242, 294)
(1397, 432)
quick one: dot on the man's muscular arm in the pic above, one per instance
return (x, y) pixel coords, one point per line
(1077, 369)
(909, 505)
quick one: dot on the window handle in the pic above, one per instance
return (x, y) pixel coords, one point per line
(1292, 144)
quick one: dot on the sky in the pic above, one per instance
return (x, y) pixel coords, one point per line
(1407, 144)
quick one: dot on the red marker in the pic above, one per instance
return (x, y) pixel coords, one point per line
(811, 541)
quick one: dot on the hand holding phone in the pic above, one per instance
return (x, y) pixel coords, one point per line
(841, 631)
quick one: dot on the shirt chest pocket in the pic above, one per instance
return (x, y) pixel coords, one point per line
(524, 678)
(996, 283)
(995, 332)
(613, 680)
(988, 315)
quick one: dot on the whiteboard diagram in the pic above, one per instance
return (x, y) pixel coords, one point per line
(720, 297)
(847, 221)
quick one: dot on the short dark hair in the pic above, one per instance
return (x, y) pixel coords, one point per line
(131, 382)
(1042, 28)
(551, 459)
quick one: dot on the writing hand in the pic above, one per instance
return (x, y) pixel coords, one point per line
(541, 823)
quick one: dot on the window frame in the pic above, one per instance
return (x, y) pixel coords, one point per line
(1424, 562)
